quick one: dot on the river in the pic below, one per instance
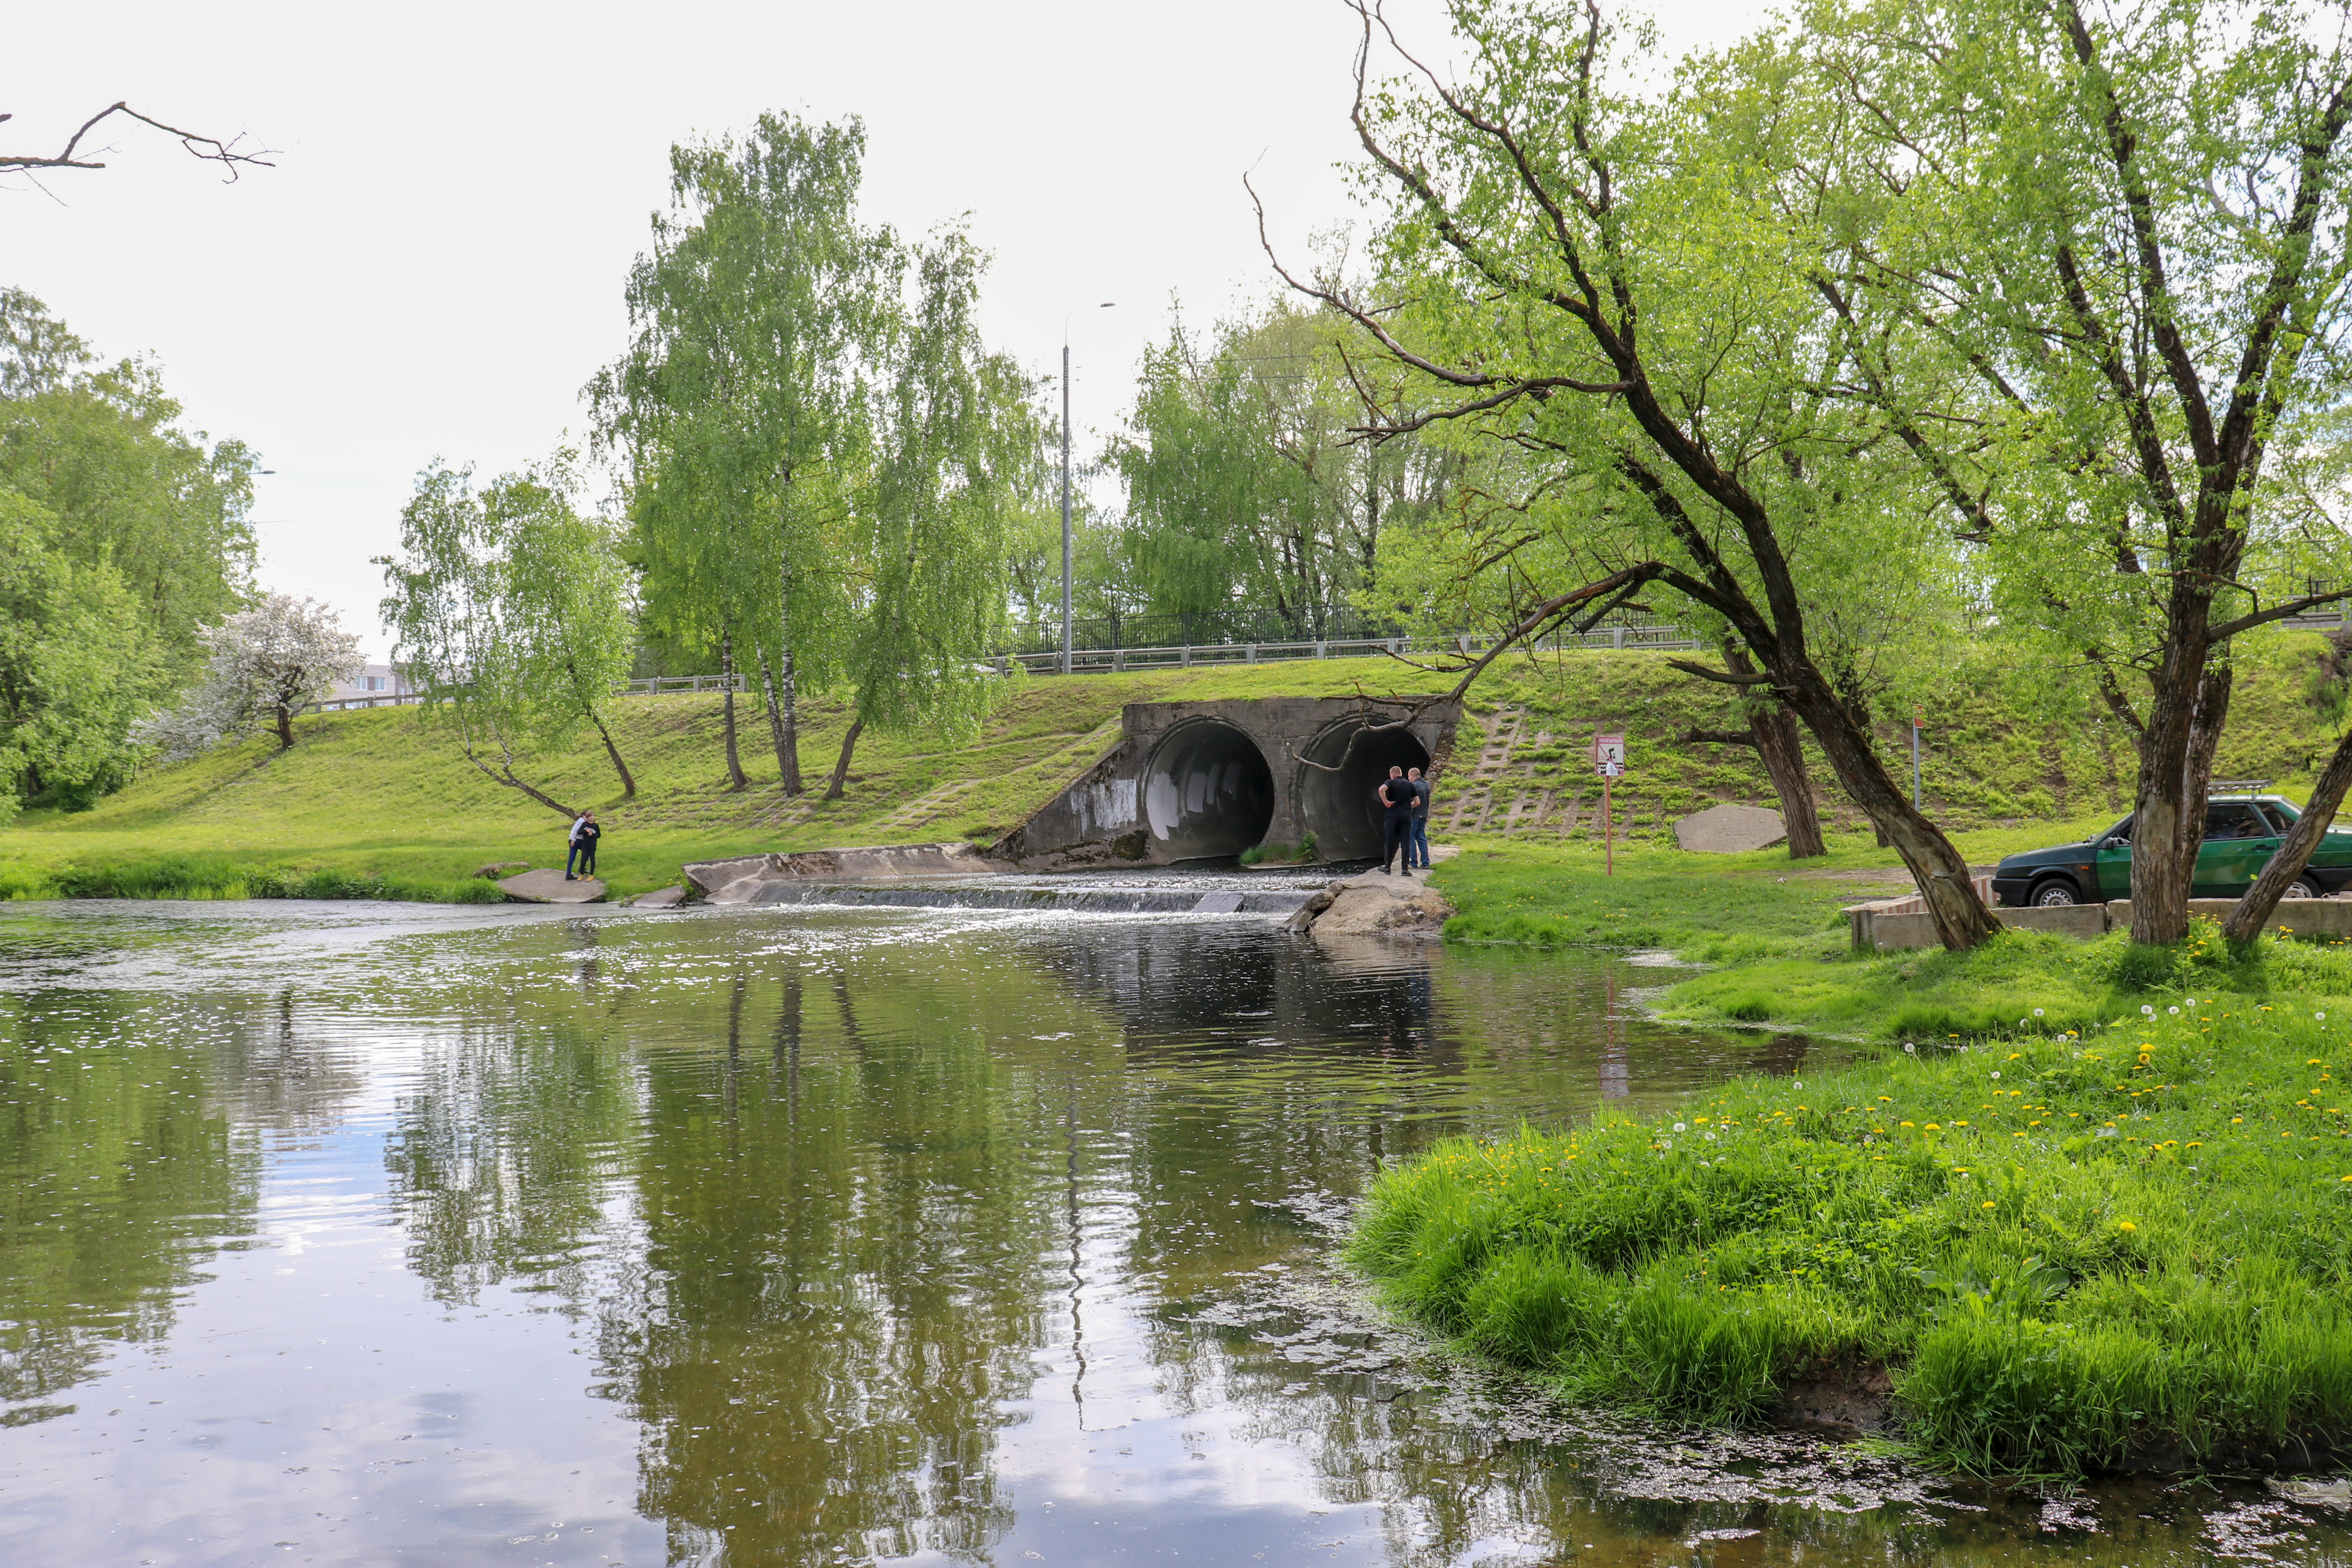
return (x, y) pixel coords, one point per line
(410, 1235)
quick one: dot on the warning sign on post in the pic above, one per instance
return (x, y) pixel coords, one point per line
(1608, 756)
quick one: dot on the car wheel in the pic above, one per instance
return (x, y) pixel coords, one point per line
(2302, 887)
(2055, 893)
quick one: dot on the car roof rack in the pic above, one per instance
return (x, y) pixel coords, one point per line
(2238, 787)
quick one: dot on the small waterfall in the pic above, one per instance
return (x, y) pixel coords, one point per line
(1036, 896)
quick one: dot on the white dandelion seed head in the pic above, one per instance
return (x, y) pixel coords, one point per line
(2173, 1010)
(1995, 1073)
(1665, 1142)
(2037, 1012)
(1912, 1048)
(2148, 1010)
(2321, 1017)
(1680, 1128)
(1710, 1137)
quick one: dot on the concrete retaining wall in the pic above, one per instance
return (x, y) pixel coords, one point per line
(1191, 781)
(1882, 929)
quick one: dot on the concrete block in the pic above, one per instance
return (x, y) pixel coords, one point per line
(1888, 933)
(2085, 922)
(2327, 920)
(1730, 830)
(2322, 920)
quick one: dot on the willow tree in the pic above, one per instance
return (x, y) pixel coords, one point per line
(741, 404)
(1569, 268)
(958, 451)
(511, 611)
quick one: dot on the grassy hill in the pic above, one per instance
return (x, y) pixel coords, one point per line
(383, 802)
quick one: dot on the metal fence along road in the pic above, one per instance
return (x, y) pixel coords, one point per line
(1177, 656)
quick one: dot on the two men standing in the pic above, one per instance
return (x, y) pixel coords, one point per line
(1404, 807)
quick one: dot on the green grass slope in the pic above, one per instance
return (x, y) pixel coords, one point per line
(383, 803)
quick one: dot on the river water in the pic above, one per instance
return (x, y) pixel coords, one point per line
(404, 1235)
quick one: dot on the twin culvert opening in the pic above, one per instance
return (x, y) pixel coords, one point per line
(1210, 791)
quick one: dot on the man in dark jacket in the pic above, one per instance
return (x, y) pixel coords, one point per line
(584, 834)
(1396, 806)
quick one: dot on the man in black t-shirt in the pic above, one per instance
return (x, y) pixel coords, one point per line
(1396, 797)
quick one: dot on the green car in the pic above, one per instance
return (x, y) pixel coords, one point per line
(2242, 830)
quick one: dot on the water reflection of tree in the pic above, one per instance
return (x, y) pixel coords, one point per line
(121, 1171)
(807, 1208)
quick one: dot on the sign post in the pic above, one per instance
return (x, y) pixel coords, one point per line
(1609, 762)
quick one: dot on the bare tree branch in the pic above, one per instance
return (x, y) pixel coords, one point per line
(211, 149)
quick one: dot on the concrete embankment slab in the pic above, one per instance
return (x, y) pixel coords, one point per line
(547, 886)
(739, 880)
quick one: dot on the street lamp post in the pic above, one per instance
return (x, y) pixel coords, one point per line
(1066, 665)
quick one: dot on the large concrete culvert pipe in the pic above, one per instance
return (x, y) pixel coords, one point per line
(1207, 791)
(1342, 808)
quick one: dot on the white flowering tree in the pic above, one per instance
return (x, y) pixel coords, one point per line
(267, 663)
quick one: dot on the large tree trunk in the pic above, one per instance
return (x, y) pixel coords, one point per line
(1960, 917)
(841, 768)
(727, 679)
(628, 782)
(2186, 710)
(285, 727)
(504, 774)
(1779, 742)
(787, 764)
(787, 683)
(2245, 921)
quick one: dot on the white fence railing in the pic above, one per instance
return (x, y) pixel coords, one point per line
(1104, 661)
(1109, 660)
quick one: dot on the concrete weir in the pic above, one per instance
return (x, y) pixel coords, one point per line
(1200, 781)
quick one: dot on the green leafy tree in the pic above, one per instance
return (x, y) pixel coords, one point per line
(1249, 486)
(1540, 268)
(2097, 263)
(510, 611)
(122, 538)
(741, 404)
(99, 449)
(959, 446)
(77, 665)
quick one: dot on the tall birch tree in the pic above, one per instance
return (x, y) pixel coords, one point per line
(739, 405)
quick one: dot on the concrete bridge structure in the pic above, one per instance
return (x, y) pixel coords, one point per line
(1197, 781)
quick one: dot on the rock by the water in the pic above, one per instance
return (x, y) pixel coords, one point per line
(1379, 904)
(659, 899)
(497, 868)
(1730, 830)
(547, 886)
(1218, 904)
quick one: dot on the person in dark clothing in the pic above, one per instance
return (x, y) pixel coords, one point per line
(1417, 848)
(1396, 804)
(584, 834)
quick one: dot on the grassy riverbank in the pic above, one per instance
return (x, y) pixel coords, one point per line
(382, 803)
(2078, 1206)
(2062, 1250)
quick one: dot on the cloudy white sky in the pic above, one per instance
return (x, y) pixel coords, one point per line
(434, 266)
